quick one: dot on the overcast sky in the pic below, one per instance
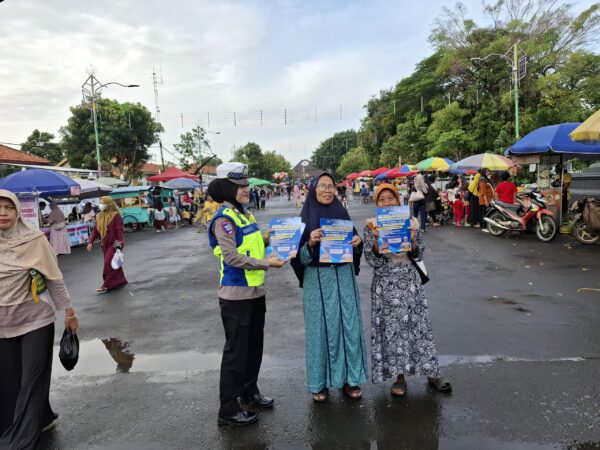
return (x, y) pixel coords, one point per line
(217, 57)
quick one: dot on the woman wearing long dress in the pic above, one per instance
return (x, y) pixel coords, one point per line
(335, 347)
(59, 238)
(109, 228)
(402, 340)
(27, 318)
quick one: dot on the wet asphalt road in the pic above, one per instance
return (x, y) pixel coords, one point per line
(519, 342)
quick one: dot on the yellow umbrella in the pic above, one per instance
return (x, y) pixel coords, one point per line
(589, 131)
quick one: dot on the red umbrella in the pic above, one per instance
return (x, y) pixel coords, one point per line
(365, 173)
(352, 176)
(379, 171)
(171, 173)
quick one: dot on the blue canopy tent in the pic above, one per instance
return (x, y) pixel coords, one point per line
(42, 182)
(554, 139)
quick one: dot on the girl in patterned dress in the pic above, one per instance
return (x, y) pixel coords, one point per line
(402, 340)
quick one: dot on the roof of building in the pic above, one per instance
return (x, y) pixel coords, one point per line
(14, 156)
(305, 169)
(206, 170)
(151, 169)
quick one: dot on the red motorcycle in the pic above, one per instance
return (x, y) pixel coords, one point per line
(529, 214)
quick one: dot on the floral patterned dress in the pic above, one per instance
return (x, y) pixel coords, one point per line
(401, 335)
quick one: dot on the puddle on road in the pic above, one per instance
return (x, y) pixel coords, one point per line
(107, 356)
(100, 357)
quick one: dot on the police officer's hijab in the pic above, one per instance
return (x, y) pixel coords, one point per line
(312, 213)
(224, 188)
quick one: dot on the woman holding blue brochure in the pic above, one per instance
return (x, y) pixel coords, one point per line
(402, 340)
(335, 347)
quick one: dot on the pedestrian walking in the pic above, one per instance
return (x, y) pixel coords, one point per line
(59, 238)
(474, 216)
(159, 218)
(174, 217)
(335, 348)
(109, 228)
(458, 208)
(263, 198)
(27, 326)
(486, 195)
(418, 200)
(402, 340)
(297, 196)
(240, 247)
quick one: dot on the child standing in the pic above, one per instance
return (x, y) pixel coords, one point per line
(174, 215)
(458, 207)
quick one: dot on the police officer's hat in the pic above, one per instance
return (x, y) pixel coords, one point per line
(234, 171)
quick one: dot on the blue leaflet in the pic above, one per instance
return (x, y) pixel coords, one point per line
(285, 237)
(394, 234)
(335, 244)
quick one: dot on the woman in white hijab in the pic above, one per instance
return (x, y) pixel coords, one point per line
(28, 271)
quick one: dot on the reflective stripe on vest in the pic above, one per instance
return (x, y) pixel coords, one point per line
(248, 241)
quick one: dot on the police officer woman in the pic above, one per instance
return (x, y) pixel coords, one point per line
(237, 242)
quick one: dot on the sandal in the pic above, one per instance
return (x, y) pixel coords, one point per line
(353, 392)
(101, 290)
(399, 389)
(320, 396)
(439, 384)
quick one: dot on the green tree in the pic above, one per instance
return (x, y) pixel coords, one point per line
(409, 144)
(448, 135)
(355, 160)
(40, 143)
(274, 163)
(261, 165)
(330, 152)
(195, 149)
(126, 131)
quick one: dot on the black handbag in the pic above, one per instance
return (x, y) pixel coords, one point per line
(69, 350)
(421, 269)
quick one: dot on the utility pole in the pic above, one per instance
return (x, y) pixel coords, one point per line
(157, 115)
(516, 82)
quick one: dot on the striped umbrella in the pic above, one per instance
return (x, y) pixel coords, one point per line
(483, 161)
(402, 171)
(435, 164)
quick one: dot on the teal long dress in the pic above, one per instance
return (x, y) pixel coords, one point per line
(335, 346)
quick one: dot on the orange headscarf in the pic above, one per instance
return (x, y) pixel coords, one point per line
(382, 187)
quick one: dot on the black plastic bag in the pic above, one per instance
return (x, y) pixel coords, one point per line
(69, 350)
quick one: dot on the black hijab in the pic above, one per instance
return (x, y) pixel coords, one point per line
(222, 190)
(311, 215)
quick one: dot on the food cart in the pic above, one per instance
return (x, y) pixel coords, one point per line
(133, 203)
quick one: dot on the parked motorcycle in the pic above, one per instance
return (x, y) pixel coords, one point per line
(581, 228)
(530, 213)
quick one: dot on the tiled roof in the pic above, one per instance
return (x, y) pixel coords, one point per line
(14, 156)
(206, 170)
(151, 169)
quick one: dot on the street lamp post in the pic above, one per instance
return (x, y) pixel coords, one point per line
(516, 64)
(90, 89)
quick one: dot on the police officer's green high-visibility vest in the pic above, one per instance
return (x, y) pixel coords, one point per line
(249, 242)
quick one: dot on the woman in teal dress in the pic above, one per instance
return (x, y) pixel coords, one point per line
(335, 346)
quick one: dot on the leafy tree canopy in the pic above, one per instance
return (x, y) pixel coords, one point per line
(354, 160)
(125, 132)
(330, 152)
(40, 143)
(455, 105)
(195, 149)
(261, 165)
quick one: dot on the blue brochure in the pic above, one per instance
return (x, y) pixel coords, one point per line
(393, 223)
(285, 237)
(335, 243)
